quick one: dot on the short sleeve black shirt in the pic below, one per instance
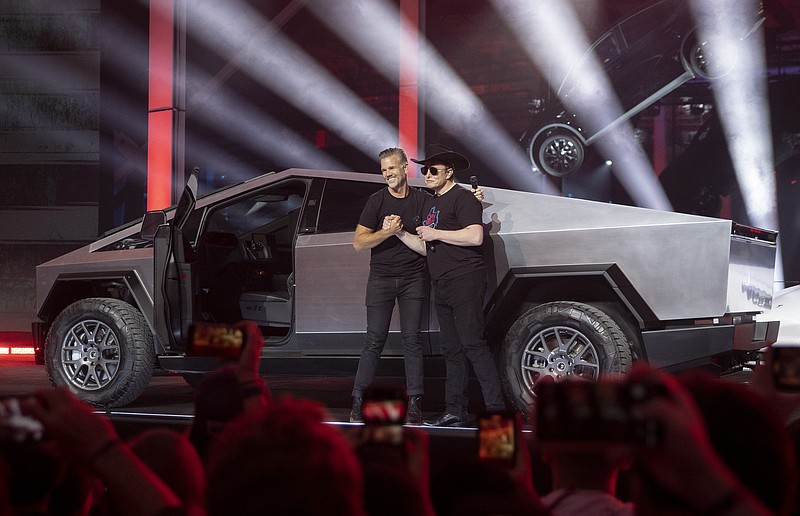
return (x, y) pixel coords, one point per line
(392, 257)
(456, 209)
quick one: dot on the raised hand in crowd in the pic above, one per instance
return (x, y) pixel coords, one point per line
(396, 475)
(226, 393)
(787, 404)
(682, 471)
(89, 439)
(255, 392)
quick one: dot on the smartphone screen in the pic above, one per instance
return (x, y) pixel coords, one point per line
(384, 412)
(215, 340)
(382, 438)
(497, 435)
(786, 368)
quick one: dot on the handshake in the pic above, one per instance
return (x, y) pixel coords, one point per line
(393, 224)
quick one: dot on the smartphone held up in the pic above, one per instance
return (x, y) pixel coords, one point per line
(215, 340)
(384, 412)
(497, 437)
(786, 367)
(382, 437)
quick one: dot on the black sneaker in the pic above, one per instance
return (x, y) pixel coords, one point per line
(355, 413)
(447, 419)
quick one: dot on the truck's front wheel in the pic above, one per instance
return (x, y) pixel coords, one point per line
(558, 340)
(102, 350)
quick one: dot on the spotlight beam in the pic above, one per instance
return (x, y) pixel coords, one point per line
(254, 129)
(280, 65)
(67, 144)
(263, 134)
(741, 98)
(447, 97)
(240, 58)
(554, 40)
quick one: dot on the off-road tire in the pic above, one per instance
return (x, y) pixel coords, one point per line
(558, 340)
(102, 350)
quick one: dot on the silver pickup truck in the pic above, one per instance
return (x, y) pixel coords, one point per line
(576, 287)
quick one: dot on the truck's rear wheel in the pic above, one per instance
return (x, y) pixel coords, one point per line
(558, 340)
(102, 350)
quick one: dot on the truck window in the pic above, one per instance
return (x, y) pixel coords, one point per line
(268, 211)
(342, 203)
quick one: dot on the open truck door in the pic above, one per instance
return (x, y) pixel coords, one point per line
(175, 273)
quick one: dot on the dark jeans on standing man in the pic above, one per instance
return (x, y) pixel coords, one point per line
(459, 307)
(409, 291)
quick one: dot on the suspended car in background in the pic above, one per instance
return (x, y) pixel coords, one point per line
(697, 179)
(645, 56)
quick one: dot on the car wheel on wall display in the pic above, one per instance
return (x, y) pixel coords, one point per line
(556, 151)
(560, 340)
(707, 62)
(102, 350)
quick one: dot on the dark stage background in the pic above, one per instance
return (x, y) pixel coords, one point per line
(73, 116)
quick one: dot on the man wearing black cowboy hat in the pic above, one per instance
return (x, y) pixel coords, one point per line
(452, 233)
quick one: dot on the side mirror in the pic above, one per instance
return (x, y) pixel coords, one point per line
(151, 222)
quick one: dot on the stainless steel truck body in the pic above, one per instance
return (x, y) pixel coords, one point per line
(576, 287)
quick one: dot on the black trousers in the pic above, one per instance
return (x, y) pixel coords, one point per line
(459, 307)
(382, 292)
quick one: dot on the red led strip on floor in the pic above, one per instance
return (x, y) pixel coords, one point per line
(15, 351)
(15, 343)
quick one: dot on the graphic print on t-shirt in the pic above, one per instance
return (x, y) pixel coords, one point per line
(432, 220)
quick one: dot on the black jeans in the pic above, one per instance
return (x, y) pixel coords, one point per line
(459, 307)
(409, 292)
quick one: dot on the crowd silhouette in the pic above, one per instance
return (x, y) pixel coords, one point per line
(721, 448)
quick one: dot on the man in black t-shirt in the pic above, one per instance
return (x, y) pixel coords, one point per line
(397, 273)
(452, 233)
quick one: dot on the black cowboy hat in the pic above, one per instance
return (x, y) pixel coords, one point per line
(440, 154)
